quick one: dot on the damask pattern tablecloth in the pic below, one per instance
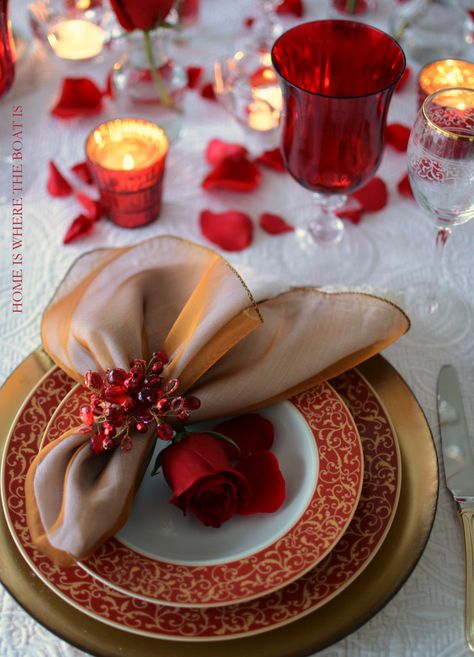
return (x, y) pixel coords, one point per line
(425, 618)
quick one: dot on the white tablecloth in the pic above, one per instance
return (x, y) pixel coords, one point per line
(425, 618)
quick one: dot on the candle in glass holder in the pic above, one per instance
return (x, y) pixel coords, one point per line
(127, 160)
(267, 100)
(442, 74)
(76, 39)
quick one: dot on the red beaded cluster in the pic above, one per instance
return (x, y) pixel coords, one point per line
(135, 400)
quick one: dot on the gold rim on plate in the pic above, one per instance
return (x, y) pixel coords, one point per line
(355, 605)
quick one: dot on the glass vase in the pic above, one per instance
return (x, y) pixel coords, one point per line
(432, 29)
(147, 82)
(7, 51)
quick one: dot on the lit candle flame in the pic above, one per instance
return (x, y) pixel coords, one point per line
(128, 162)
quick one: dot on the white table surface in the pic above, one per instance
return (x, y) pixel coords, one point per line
(425, 618)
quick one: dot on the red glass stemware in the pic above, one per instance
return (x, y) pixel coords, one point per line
(7, 56)
(337, 79)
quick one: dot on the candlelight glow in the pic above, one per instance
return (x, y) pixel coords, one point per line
(76, 39)
(445, 73)
(128, 162)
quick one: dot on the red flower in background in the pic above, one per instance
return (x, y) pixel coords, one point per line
(141, 14)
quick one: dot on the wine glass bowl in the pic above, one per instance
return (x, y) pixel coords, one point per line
(441, 171)
(337, 79)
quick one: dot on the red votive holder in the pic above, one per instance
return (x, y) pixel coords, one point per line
(127, 161)
(444, 74)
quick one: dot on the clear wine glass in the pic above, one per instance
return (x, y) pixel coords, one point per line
(441, 170)
(337, 79)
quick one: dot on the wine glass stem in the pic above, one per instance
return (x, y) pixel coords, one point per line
(437, 267)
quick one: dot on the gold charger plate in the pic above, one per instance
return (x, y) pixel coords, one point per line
(359, 602)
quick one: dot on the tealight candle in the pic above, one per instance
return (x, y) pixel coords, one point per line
(76, 39)
(265, 109)
(127, 160)
(267, 100)
(442, 74)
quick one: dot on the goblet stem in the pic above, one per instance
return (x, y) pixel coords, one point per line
(327, 228)
(433, 299)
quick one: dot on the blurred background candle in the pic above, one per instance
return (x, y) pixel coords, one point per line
(127, 159)
(443, 74)
(76, 39)
(248, 88)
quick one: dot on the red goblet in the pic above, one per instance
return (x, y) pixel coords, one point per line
(337, 79)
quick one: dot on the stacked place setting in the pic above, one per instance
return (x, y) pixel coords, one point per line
(155, 574)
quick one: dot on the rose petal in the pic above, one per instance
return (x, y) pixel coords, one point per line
(57, 185)
(404, 187)
(398, 136)
(262, 471)
(274, 224)
(353, 216)
(109, 86)
(92, 206)
(193, 74)
(249, 21)
(218, 150)
(231, 231)
(207, 92)
(83, 172)
(78, 96)
(234, 173)
(373, 196)
(273, 160)
(294, 7)
(81, 226)
(251, 433)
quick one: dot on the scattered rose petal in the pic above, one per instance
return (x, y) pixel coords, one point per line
(262, 472)
(402, 83)
(272, 159)
(109, 86)
(398, 136)
(208, 93)
(57, 184)
(83, 172)
(250, 432)
(370, 198)
(81, 226)
(218, 150)
(237, 174)
(404, 187)
(78, 96)
(373, 196)
(193, 74)
(92, 206)
(353, 216)
(232, 230)
(274, 225)
(293, 7)
(249, 21)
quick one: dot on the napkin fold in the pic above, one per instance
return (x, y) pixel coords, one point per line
(235, 350)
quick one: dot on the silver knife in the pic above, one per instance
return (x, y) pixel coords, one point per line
(458, 461)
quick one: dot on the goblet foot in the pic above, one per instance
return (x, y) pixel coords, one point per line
(326, 231)
(438, 314)
(348, 262)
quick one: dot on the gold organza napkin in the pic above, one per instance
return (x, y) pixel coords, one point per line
(232, 350)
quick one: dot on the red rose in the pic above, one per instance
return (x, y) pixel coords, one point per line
(203, 481)
(141, 14)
